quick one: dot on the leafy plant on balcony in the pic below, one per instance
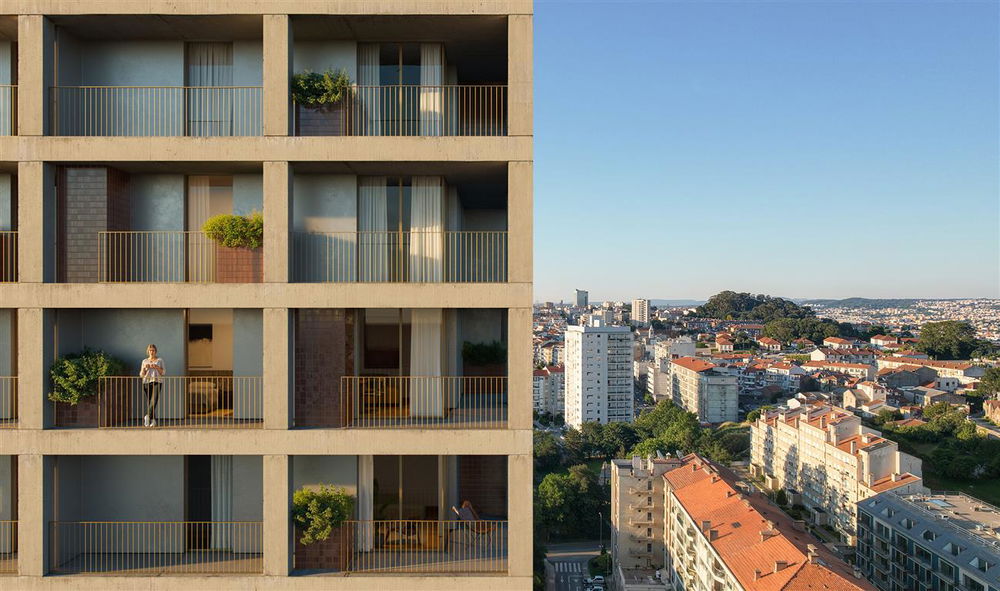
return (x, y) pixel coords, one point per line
(77, 376)
(317, 512)
(236, 231)
(316, 90)
(480, 354)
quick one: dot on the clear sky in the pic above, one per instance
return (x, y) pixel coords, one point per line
(797, 148)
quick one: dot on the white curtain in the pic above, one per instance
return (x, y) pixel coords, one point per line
(200, 250)
(369, 93)
(222, 501)
(431, 91)
(210, 98)
(456, 243)
(373, 225)
(426, 393)
(366, 503)
(427, 219)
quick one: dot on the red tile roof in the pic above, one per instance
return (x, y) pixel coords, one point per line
(693, 364)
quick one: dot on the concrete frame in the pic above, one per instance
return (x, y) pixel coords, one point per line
(34, 297)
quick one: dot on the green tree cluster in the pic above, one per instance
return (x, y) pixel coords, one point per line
(567, 505)
(960, 452)
(730, 305)
(952, 339)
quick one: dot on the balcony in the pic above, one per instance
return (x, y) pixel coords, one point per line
(185, 515)
(8, 109)
(8, 401)
(413, 515)
(402, 85)
(8, 515)
(440, 223)
(400, 368)
(8, 256)
(8, 369)
(130, 224)
(8, 76)
(213, 362)
(167, 76)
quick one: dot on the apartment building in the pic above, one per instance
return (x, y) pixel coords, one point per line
(719, 535)
(582, 298)
(598, 386)
(826, 460)
(963, 371)
(640, 311)
(922, 542)
(704, 389)
(547, 390)
(362, 318)
(637, 513)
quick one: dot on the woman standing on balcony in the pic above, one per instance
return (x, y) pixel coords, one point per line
(151, 372)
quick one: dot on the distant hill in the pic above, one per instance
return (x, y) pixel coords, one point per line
(863, 302)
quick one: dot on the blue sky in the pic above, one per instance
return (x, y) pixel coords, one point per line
(801, 149)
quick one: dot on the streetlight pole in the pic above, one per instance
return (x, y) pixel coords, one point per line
(600, 522)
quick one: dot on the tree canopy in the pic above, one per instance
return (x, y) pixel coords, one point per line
(730, 305)
(952, 339)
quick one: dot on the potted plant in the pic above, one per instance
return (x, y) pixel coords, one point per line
(320, 101)
(320, 542)
(76, 381)
(238, 239)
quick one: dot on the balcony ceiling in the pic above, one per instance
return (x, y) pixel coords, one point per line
(8, 27)
(220, 168)
(459, 170)
(121, 27)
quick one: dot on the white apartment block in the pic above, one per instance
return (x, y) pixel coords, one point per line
(640, 311)
(598, 374)
(704, 389)
(547, 390)
(683, 346)
(826, 455)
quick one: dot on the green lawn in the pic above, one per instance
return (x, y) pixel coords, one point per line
(987, 490)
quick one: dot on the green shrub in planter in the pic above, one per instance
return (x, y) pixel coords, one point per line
(494, 353)
(236, 231)
(76, 376)
(312, 89)
(317, 512)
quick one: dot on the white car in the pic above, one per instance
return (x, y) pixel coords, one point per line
(598, 580)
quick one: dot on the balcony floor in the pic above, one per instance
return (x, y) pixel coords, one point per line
(458, 418)
(150, 563)
(8, 564)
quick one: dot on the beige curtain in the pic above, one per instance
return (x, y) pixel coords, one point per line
(369, 94)
(427, 220)
(200, 250)
(222, 502)
(431, 89)
(373, 224)
(210, 94)
(366, 503)
(426, 393)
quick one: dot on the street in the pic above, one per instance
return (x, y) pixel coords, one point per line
(569, 565)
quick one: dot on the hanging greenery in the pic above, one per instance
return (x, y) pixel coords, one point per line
(312, 89)
(318, 512)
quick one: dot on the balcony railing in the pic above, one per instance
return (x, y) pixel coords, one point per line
(411, 110)
(401, 257)
(8, 109)
(8, 547)
(156, 547)
(8, 405)
(202, 111)
(403, 547)
(173, 257)
(200, 402)
(8, 256)
(423, 402)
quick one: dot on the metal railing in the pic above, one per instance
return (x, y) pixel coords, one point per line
(453, 547)
(8, 109)
(8, 256)
(401, 257)
(201, 111)
(157, 256)
(156, 547)
(414, 110)
(8, 404)
(423, 402)
(8, 547)
(181, 401)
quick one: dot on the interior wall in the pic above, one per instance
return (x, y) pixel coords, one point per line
(125, 334)
(131, 63)
(248, 193)
(248, 360)
(216, 354)
(325, 203)
(158, 201)
(318, 56)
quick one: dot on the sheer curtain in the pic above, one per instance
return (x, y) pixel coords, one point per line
(222, 502)
(426, 393)
(431, 91)
(427, 209)
(200, 250)
(366, 503)
(370, 119)
(210, 96)
(373, 226)
(456, 243)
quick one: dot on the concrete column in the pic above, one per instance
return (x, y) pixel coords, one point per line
(32, 93)
(33, 514)
(519, 222)
(519, 366)
(277, 515)
(31, 222)
(277, 382)
(519, 514)
(277, 73)
(277, 205)
(519, 75)
(31, 368)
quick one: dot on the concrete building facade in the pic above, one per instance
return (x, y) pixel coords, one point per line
(598, 379)
(640, 311)
(700, 388)
(376, 336)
